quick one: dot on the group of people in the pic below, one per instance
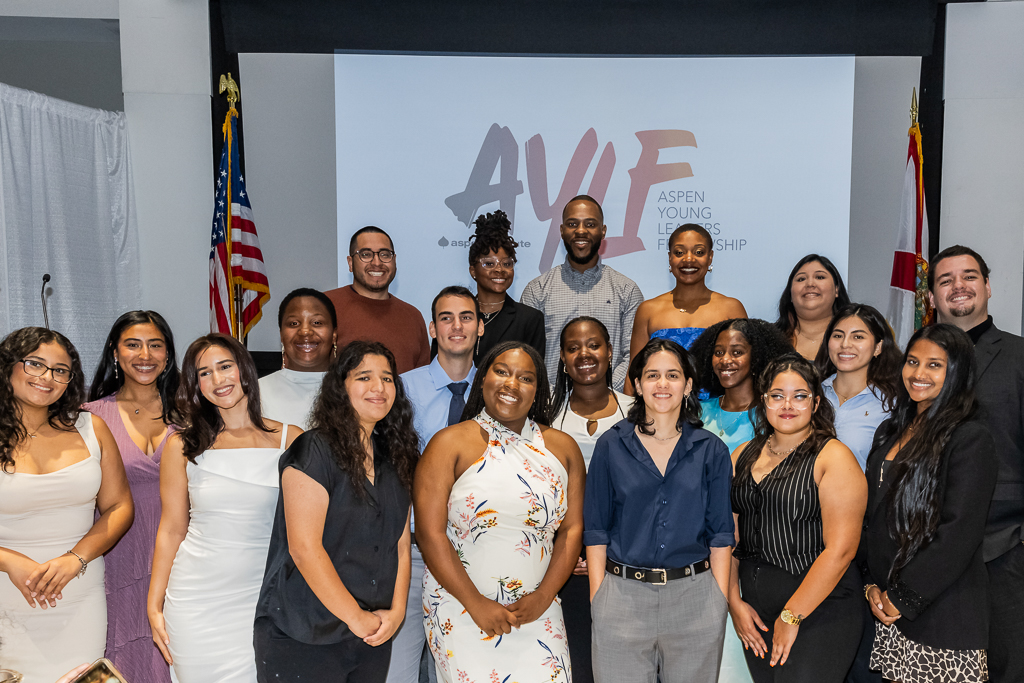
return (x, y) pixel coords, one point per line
(579, 486)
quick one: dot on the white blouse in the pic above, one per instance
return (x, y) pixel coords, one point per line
(576, 426)
(287, 395)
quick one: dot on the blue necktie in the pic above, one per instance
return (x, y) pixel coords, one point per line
(458, 403)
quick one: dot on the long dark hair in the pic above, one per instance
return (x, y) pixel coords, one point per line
(540, 411)
(200, 419)
(915, 498)
(334, 417)
(822, 419)
(563, 384)
(61, 414)
(689, 411)
(884, 369)
(766, 344)
(787, 313)
(105, 382)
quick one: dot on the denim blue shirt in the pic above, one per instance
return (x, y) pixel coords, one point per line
(857, 419)
(654, 521)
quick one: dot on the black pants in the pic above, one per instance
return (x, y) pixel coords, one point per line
(828, 639)
(861, 672)
(280, 659)
(575, 595)
(1006, 620)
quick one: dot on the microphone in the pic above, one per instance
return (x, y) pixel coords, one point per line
(42, 297)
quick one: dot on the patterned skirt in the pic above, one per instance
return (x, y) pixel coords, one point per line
(901, 659)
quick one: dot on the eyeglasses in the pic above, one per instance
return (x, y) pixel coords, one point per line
(799, 401)
(491, 264)
(37, 369)
(366, 255)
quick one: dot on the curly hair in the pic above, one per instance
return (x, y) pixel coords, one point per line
(884, 369)
(766, 344)
(540, 411)
(787, 312)
(334, 417)
(689, 412)
(915, 498)
(822, 419)
(493, 232)
(563, 385)
(201, 420)
(105, 382)
(61, 414)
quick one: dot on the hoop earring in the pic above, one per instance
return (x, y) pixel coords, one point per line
(284, 358)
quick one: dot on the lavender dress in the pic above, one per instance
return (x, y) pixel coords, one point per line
(130, 562)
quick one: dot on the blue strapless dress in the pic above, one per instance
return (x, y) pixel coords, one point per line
(684, 336)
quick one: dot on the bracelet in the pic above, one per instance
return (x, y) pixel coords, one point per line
(80, 559)
(867, 588)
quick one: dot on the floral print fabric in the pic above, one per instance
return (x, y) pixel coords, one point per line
(503, 513)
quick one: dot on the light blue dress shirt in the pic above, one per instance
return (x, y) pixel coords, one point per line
(427, 389)
(857, 419)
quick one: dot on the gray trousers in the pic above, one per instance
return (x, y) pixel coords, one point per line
(644, 632)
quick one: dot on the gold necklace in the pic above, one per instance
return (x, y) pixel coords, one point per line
(784, 453)
(657, 438)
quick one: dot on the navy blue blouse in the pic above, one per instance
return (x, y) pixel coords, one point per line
(654, 521)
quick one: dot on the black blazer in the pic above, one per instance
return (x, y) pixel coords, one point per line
(942, 592)
(514, 322)
(1000, 388)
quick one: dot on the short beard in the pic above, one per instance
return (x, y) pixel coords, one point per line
(370, 288)
(963, 312)
(584, 259)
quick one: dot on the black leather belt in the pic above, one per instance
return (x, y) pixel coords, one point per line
(659, 577)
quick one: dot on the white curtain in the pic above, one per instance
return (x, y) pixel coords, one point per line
(67, 209)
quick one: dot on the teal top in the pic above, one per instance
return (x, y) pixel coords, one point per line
(732, 428)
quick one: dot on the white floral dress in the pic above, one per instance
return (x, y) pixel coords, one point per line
(502, 516)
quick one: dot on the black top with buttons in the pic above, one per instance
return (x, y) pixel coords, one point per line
(360, 536)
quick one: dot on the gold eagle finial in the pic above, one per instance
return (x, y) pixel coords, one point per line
(229, 84)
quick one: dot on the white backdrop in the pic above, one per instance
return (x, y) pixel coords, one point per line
(66, 208)
(756, 149)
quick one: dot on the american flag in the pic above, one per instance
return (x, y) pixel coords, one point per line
(241, 249)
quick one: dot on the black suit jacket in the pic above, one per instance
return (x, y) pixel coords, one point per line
(514, 322)
(942, 592)
(1000, 387)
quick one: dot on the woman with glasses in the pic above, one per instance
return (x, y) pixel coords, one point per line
(799, 497)
(492, 264)
(931, 473)
(64, 502)
(133, 392)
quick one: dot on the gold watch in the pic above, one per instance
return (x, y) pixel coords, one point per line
(790, 618)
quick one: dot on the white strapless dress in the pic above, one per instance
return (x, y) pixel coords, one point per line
(43, 516)
(217, 573)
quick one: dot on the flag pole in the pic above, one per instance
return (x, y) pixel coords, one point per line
(227, 83)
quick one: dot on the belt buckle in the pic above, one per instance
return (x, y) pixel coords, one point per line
(664, 577)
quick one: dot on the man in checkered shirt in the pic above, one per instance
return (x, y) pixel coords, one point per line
(585, 286)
